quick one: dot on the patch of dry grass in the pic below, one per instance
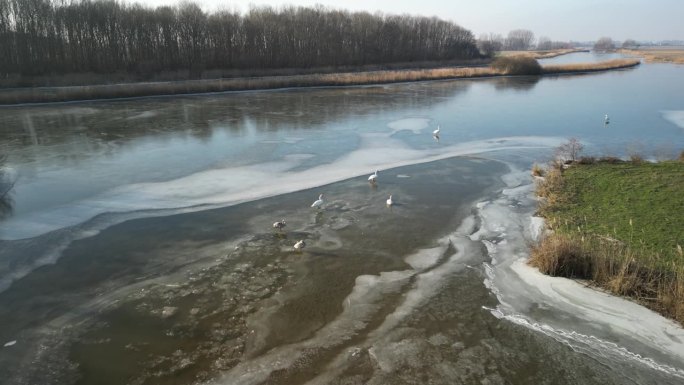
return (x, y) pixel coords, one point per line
(537, 170)
(590, 67)
(613, 266)
(675, 56)
(517, 65)
(543, 54)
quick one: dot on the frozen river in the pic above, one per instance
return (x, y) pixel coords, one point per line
(139, 248)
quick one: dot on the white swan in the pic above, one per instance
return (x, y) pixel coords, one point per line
(373, 177)
(389, 201)
(300, 245)
(279, 225)
(436, 132)
(319, 202)
(606, 119)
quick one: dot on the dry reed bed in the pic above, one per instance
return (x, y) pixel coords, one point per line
(591, 67)
(606, 262)
(544, 54)
(61, 94)
(675, 56)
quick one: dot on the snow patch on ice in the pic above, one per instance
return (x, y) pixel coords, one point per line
(676, 117)
(416, 125)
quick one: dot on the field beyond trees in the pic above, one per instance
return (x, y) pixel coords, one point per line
(619, 225)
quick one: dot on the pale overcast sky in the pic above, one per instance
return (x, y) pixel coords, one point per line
(579, 20)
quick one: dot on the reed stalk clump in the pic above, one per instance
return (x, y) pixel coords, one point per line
(517, 65)
(537, 170)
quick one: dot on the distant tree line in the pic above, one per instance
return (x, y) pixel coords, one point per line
(545, 44)
(39, 37)
(608, 44)
(604, 44)
(517, 40)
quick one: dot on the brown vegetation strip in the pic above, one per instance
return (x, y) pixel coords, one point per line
(675, 56)
(543, 54)
(60, 94)
(613, 266)
(591, 67)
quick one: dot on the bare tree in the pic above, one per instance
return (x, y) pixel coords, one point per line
(630, 44)
(544, 43)
(52, 37)
(489, 44)
(519, 40)
(604, 44)
(569, 151)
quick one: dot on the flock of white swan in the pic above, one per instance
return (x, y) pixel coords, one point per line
(372, 179)
(318, 203)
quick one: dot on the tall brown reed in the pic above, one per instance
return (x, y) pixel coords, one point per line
(590, 67)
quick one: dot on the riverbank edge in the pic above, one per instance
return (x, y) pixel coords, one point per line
(39, 95)
(608, 264)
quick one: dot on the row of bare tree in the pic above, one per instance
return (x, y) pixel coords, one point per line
(40, 37)
(517, 40)
(608, 44)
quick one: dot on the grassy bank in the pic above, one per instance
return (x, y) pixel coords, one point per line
(619, 225)
(110, 91)
(675, 56)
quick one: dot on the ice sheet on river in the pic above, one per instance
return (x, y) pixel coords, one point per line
(232, 185)
(218, 188)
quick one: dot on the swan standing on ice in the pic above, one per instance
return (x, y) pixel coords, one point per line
(435, 133)
(606, 119)
(373, 177)
(389, 201)
(300, 245)
(279, 225)
(318, 203)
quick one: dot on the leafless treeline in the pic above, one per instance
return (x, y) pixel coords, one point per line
(39, 37)
(517, 40)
